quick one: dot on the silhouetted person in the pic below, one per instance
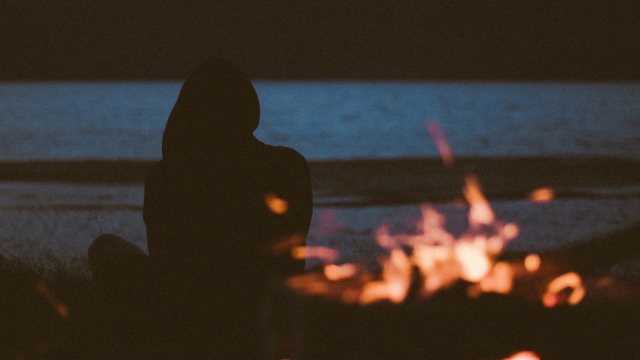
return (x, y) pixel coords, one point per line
(213, 240)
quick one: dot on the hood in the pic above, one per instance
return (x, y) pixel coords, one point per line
(217, 109)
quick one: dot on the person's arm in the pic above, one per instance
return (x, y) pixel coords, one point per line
(299, 194)
(155, 210)
(292, 184)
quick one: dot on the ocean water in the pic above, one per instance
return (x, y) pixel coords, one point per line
(332, 120)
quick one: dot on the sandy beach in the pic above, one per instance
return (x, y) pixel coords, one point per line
(62, 206)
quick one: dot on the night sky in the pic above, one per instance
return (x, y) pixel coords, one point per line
(322, 40)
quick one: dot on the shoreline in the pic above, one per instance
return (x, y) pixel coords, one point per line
(387, 181)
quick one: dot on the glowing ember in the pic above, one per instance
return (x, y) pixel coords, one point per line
(523, 355)
(542, 195)
(275, 204)
(569, 280)
(441, 143)
(532, 262)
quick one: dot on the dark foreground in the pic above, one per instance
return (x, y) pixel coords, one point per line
(447, 326)
(453, 327)
(67, 316)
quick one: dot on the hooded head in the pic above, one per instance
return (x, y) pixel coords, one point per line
(217, 107)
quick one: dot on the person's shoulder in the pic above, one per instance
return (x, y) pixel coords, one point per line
(157, 170)
(164, 171)
(284, 151)
(286, 154)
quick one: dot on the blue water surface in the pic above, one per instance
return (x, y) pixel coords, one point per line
(323, 120)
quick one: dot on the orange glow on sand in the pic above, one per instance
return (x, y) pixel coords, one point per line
(523, 355)
(323, 253)
(542, 195)
(532, 262)
(61, 309)
(275, 204)
(339, 272)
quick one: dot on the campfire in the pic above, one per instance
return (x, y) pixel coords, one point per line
(432, 274)
(438, 259)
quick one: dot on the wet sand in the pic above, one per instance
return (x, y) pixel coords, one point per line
(370, 182)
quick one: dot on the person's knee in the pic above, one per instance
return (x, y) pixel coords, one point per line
(114, 259)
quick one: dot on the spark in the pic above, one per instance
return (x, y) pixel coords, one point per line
(275, 204)
(441, 143)
(532, 262)
(542, 195)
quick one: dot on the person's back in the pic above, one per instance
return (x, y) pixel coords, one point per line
(206, 208)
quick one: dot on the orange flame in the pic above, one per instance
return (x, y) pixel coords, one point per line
(437, 265)
(395, 283)
(568, 280)
(441, 143)
(275, 204)
(442, 260)
(499, 280)
(542, 195)
(440, 257)
(473, 260)
(433, 231)
(523, 355)
(480, 212)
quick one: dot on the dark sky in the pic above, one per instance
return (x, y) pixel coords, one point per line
(304, 39)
